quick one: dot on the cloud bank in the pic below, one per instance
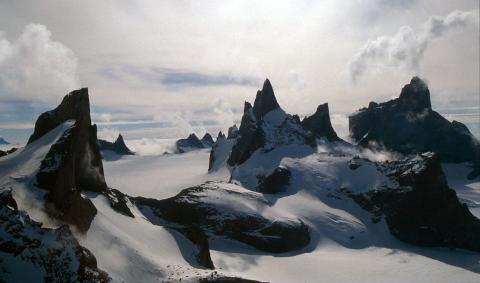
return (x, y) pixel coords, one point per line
(35, 68)
(406, 48)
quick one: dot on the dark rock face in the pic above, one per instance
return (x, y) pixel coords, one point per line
(73, 163)
(250, 137)
(207, 140)
(232, 132)
(118, 146)
(257, 130)
(220, 135)
(276, 182)
(265, 101)
(409, 125)
(118, 201)
(192, 142)
(7, 152)
(319, 124)
(188, 208)
(198, 237)
(423, 210)
(55, 253)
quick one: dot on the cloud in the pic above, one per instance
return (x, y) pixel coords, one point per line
(173, 78)
(34, 67)
(406, 48)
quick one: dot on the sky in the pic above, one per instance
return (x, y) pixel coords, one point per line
(162, 69)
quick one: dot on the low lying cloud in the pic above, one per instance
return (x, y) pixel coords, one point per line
(406, 48)
(35, 68)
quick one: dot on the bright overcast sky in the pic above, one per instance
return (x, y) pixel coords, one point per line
(179, 62)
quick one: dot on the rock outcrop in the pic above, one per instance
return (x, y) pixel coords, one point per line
(7, 152)
(73, 163)
(276, 182)
(232, 132)
(40, 254)
(118, 146)
(422, 210)
(409, 125)
(319, 124)
(207, 140)
(188, 144)
(197, 207)
(266, 126)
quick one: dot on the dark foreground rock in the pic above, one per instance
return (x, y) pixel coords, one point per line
(197, 207)
(409, 125)
(276, 182)
(50, 255)
(73, 163)
(319, 124)
(266, 126)
(423, 210)
(118, 146)
(198, 237)
(7, 152)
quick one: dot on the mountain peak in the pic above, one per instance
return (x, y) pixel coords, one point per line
(415, 95)
(319, 123)
(265, 100)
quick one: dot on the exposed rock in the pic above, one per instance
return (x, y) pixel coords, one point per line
(118, 201)
(118, 146)
(188, 144)
(232, 132)
(48, 255)
(220, 135)
(7, 152)
(409, 125)
(250, 137)
(266, 126)
(226, 279)
(207, 140)
(276, 182)
(265, 101)
(73, 163)
(194, 207)
(220, 152)
(423, 210)
(319, 124)
(353, 165)
(198, 237)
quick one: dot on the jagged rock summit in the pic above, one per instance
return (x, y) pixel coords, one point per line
(73, 163)
(409, 125)
(207, 140)
(265, 101)
(266, 126)
(319, 124)
(118, 146)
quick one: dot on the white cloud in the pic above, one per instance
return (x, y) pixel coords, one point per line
(35, 68)
(406, 48)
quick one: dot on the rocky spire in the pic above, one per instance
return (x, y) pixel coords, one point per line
(73, 163)
(207, 140)
(265, 100)
(415, 95)
(75, 105)
(232, 132)
(319, 124)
